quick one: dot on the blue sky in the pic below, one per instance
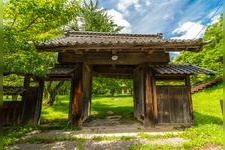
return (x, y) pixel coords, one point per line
(183, 19)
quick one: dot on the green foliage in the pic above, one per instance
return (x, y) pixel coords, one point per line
(110, 86)
(26, 22)
(92, 18)
(211, 56)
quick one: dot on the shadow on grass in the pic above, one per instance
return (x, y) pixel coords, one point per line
(201, 119)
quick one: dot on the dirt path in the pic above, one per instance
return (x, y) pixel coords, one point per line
(87, 138)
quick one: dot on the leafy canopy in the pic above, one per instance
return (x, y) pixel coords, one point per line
(26, 22)
(211, 57)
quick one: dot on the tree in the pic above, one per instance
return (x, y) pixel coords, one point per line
(110, 86)
(211, 56)
(94, 19)
(26, 22)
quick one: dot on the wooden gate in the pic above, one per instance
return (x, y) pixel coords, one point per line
(139, 109)
(12, 112)
(173, 104)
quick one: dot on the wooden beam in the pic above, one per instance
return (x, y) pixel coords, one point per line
(149, 98)
(75, 111)
(105, 58)
(120, 70)
(155, 102)
(123, 47)
(188, 86)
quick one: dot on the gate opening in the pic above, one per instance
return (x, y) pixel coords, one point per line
(111, 102)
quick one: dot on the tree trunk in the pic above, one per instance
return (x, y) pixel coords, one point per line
(53, 92)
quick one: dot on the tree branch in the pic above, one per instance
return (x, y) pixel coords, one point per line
(32, 22)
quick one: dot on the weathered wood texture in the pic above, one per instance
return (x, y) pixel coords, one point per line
(12, 112)
(145, 102)
(32, 104)
(75, 110)
(188, 86)
(138, 83)
(121, 71)
(105, 58)
(28, 110)
(86, 102)
(150, 98)
(80, 103)
(173, 105)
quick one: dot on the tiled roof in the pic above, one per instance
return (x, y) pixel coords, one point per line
(181, 69)
(97, 40)
(60, 70)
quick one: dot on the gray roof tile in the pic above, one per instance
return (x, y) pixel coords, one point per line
(104, 39)
(181, 69)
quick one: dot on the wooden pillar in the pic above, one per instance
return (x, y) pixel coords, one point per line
(150, 111)
(26, 84)
(138, 97)
(86, 82)
(135, 96)
(188, 86)
(75, 110)
(32, 103)
(90, 93)
(38, 107)
(155, 102)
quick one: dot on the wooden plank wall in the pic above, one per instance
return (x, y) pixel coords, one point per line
(29, 106)
(139, 109)
(12, 112)
(173, 104)
(27, 111)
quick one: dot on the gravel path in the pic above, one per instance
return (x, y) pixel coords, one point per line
(104, 128)
(95, 145)
(89, 143)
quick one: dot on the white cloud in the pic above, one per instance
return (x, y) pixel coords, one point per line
(119, 20)
(189, 30)
(124, 4)
(148, 2)
(158, 17)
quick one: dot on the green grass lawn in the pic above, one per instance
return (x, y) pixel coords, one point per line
(119, 105)
(208, 120)
(207, 128)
